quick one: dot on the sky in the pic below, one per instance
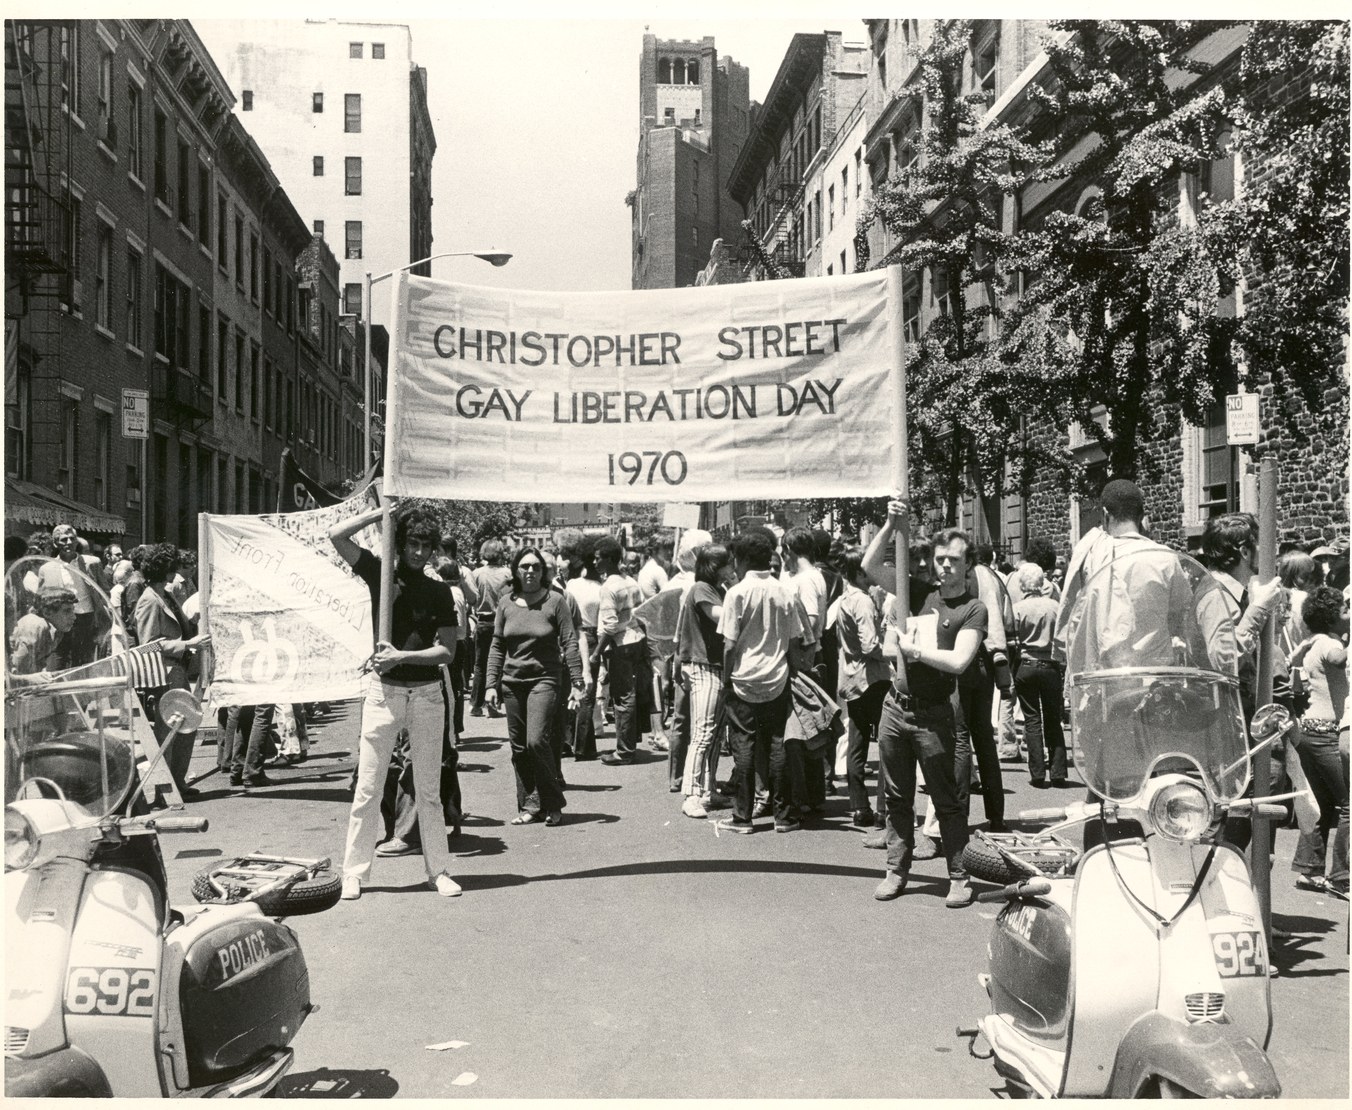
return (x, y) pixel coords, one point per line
(536, 123)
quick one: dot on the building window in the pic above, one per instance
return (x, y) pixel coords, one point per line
(318, 165)
(69, 460)
(317, 102)
(239, 250)
(253, 267)
(844, 189)
(247, 100)
(184, 188)
(1220, 470)
(352, 177)
(222, 346)
(134, 281)
(668, 115)
(239, 373)
(161, 182)
(103, 456)
(910, 311)
(203, 205)
(107, 129)
(352, 113)
(830, 207)
(844, 269)
(171, 318)
(240, 506)
(204, 344)
(858, 172)
(70, 67)
(267, 281)
(939, 292)
(353, 233)
(222, 231)
(985, 48)
(16, 422)
(254, 413)
(103, 275)
(354, 50)
(378, 51)
(318, 226)
(352, 298)
(134, 138)
(75, 239)
(267, 392)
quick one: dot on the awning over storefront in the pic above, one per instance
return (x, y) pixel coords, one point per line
(33, 506)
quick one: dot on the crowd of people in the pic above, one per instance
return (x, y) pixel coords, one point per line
(764, 669)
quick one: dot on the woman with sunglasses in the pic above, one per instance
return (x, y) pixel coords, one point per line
(533, 637)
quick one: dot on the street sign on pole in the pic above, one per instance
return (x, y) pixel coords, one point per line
(1241, 419)
(135, 414)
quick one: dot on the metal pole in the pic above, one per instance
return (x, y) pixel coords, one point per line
(1260, 847)
(366, 375)
(388, 555)
(901, 472)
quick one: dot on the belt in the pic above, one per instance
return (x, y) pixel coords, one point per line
(907, 702)
(408, 683)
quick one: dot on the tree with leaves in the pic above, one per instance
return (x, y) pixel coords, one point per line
(945, 208)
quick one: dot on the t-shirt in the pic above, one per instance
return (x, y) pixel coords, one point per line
(619, 597)
(421, 606)
(533, 640)
(489, 584)
(651, 578)
(811, 587)
(1035, 624)
(763, 616)
(929, 685)
(57, 572)
(697, 636)
(1326, 668)
(587, 593)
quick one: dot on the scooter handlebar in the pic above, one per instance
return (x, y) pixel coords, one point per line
(1269, 811)
(1056, 813)
(178, 824)
(1027, 888)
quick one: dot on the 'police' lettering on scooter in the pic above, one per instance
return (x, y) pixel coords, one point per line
(243, 953)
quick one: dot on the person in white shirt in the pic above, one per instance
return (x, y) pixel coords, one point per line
(652, 576)
(800, 552)
(620, 644)
(678, 736)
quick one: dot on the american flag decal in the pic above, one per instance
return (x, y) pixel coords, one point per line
(144, 664)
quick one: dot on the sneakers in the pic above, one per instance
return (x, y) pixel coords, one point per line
(761, 809)
(863, 818)
(237, 781)
(693, 807)
(732, 825)
(613, 760)
(925, 848)
(395, 847)
(716, 801)
(444, 885)
(476, 711)
(351, 888)
(659, 744)
(259, 779)
(876, 839)
(892, 886)
(959, 894)
(788, 826)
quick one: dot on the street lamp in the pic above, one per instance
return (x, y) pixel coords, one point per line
(492, 257)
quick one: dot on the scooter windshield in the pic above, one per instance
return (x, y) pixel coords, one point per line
(68, 695)
(1152, 677)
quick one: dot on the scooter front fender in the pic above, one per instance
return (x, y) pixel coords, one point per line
(1211, 1060)
(65, 1073)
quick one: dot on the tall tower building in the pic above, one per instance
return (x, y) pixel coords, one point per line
(340, 111)
(694, 115)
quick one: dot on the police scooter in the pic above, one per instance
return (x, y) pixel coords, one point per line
(110, 991)
(1140, 967)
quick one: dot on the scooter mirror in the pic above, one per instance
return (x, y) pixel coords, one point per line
(179, 703)
(1269, 722)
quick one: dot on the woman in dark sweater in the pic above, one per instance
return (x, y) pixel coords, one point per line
(533, 636)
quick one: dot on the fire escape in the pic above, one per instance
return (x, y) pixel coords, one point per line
(776, 252)
(39, 240)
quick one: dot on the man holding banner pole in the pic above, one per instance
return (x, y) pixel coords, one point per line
(417, 613)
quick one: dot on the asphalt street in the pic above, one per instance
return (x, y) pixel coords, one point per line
(632, 953)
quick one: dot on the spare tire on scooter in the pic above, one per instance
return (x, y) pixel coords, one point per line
(306, 896)
(983, 861)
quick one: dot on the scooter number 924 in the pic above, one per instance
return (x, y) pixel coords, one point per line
(128, 992)
(1238, 954)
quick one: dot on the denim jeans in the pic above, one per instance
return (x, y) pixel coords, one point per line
(975, 735)
(388, 708)
(924, 736)
(628, 667)
(483, 640)
(756, 733)
(1326, 770)
(864, 712)
(530, 729)
(247, 726)
(1039, 684)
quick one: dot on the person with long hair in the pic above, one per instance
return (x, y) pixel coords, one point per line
(160, 617)
(700, 649)
(533, 636)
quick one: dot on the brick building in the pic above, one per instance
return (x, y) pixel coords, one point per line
(694, 110)
(150, 247)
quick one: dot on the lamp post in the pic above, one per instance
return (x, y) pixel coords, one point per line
(492, 257)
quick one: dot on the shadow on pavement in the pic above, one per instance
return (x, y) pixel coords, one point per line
(1299, 945)
(482, 744)
(472, 847)
(338, 1083)
(592, 786)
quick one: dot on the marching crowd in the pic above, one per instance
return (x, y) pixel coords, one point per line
(765, 668)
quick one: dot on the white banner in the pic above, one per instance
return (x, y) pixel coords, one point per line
(766, 389)
(289, 620)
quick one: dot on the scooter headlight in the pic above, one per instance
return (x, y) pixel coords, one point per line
(21, 841)
(1181, 811)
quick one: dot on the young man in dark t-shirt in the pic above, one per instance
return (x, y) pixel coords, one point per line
(404, 692)
(917, 727)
